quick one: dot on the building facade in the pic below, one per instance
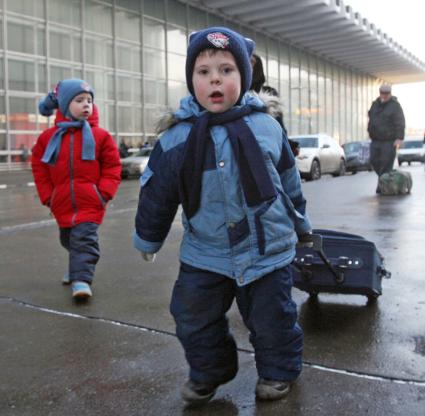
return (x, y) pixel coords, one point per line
(133, 53)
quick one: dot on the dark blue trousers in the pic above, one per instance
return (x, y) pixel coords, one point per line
(382, 156)
(81, 242)
(199, 304)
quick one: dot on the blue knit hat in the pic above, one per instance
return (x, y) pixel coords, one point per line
(62, 96)
(225, 39)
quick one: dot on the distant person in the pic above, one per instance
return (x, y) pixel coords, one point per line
(231, 168)
(386, 129)
(77, 170)
(270, 97)
(123, 149)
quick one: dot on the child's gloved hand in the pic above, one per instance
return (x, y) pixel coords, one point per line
(149, 257)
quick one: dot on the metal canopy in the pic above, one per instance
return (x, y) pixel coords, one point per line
(328, 29)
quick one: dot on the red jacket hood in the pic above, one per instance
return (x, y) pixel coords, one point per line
(93, 119)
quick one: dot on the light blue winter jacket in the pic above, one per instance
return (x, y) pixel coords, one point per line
(225, 234)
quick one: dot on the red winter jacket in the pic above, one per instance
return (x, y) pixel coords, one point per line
(77, 190)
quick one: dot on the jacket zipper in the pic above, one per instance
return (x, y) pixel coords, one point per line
(71, 174)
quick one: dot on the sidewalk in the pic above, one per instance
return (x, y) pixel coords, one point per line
(118, 354)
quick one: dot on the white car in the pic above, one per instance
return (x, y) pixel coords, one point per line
(135, 165)
(412, 150)
(319, 154)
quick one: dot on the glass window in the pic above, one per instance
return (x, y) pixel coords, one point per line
(154, 63)
(138, 119)
(41, 41)
(305, 96)
(124, 57)
(77, 54)
(176, 67)
(99, 51)
(153, 33)
(137, 90)
(336, 103)
(28, 8)
(2, 114)
(97, 80)
(129, 4)
(136, 57)
(110, 90)
(20, 37)
(110, 117)
(125, 119)
(197, 19)
(20, 108)
(127, 25)
(176, 40)
(42, 82)
(67, 12)
(60, 43)
(176, 91)
(154, 91)
(58, 73)
(152, 115)
(154, 8)
(98, 18)
(214, 20)
(1, 74)
(295, 93)
(21, 75)
(177, 12)
(321, 99)
(124, 88)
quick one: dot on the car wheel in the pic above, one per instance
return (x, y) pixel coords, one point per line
(400, 162)
(315, 172)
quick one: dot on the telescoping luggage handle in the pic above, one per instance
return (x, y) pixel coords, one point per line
(316, 243)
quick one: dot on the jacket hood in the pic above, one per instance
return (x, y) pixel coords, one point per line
(190, 108)
(93, 119)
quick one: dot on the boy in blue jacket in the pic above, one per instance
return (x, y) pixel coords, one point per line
(230, 166)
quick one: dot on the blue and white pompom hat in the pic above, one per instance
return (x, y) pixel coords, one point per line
(62, 95)
(225, 39)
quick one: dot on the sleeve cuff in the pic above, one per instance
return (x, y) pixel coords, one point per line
(146, 246)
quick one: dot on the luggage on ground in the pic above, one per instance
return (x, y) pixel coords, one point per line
(339, 263)
(396, 182)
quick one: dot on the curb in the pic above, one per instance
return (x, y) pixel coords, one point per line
(20, 185)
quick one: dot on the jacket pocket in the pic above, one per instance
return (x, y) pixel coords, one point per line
(238, 231)
(99, 195)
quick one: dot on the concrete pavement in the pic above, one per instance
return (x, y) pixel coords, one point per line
(118, 354)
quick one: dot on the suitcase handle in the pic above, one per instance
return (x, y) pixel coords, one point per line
(316, 243)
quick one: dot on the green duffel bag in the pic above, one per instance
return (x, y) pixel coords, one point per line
(395, 182)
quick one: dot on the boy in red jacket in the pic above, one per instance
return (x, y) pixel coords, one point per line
(77, 170)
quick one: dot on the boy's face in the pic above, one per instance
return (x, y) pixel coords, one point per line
(81, 106)
(216, 80)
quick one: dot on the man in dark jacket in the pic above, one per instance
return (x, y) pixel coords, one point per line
(386, 129)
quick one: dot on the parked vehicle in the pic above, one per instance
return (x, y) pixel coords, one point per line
(319, 154)
(357, 156)
(412, 150)
(135, 165)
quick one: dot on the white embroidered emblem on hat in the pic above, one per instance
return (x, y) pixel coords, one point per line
(86, 87)
(219, 40)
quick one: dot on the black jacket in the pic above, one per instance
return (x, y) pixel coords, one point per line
(386, 120)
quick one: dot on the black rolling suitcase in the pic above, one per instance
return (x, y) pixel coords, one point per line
(339, 263)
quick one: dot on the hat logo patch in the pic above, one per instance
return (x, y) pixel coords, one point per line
(86, 87)
(219, 40)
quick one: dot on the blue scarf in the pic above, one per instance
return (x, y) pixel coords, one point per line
(256, 182)
(53, 148)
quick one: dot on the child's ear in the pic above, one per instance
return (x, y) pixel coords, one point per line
(250, 45)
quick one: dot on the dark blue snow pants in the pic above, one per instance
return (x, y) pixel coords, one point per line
(81, 242)
(199, 304)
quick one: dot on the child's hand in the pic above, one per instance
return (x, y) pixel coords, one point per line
(149, 257)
